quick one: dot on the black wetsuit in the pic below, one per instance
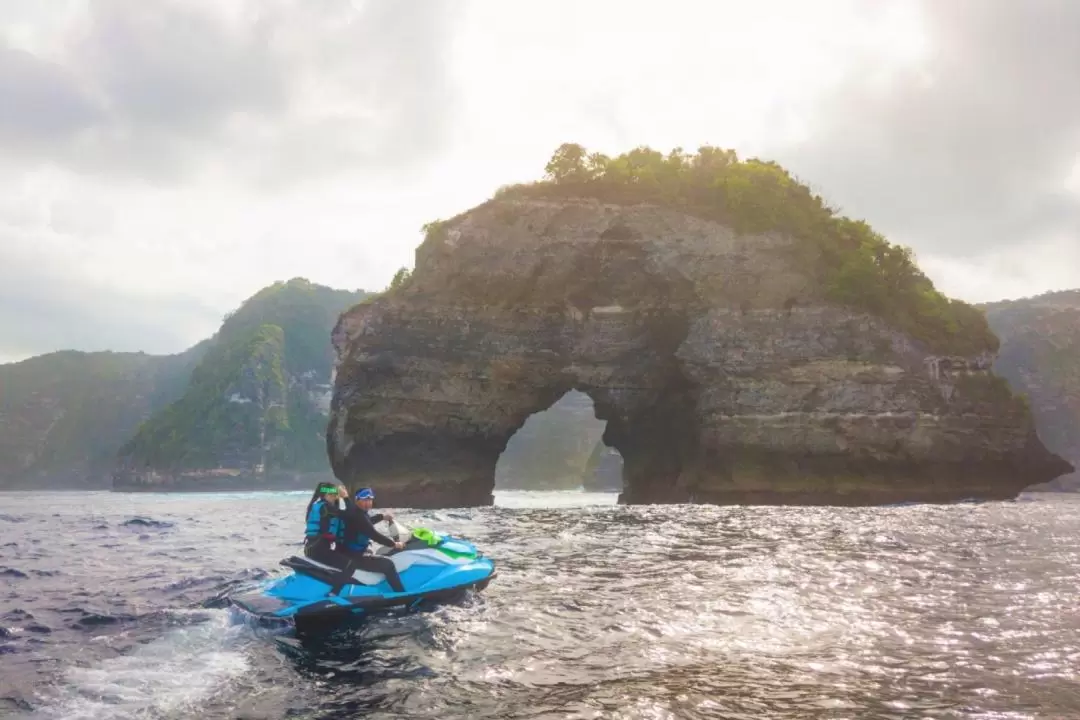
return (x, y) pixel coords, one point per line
(359, 530)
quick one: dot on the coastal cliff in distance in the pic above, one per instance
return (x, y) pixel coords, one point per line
(254, 413)
(1040, 357)
(742, 342)
(64, 415)
(244, 409)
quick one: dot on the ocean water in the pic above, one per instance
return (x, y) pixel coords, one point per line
(113, 606)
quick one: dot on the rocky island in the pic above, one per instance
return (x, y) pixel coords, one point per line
(743, 342)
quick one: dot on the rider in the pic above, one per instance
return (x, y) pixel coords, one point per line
(357, 532)
(324, 525)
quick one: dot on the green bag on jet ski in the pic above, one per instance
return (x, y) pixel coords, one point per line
(440, 543)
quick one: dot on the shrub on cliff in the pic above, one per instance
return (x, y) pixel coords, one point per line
(857, 267)
(303, 310)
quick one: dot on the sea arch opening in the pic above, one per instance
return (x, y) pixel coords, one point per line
(560, 448)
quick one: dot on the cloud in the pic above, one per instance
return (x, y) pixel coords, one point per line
(46, 308)
(279, 90)
(166, 159)
(87, 267)
(43, 102)
(163, 160)
(968, 152)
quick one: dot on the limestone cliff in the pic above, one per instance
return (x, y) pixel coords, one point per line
(724, 372)
(1040, 357)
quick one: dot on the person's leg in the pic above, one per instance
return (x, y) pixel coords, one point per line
(321, 552)
(384, 565)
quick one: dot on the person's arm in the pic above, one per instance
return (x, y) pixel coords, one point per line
(377, 518)
(368, 529)
(359, 519)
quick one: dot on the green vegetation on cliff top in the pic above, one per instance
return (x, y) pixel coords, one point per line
(306, 312)
(251, 400)
(857, 267)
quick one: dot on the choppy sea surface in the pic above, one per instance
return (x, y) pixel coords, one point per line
(112, 606)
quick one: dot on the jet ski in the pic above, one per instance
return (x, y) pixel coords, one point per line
(433, 567)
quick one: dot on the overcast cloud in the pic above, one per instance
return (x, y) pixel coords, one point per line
(969, 154)
(158, 90)
(161, 160)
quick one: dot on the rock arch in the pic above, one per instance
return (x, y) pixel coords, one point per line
(559, 448)
(720, 371)
(483, 371)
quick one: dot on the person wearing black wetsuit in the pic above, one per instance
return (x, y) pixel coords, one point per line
(325, 521)
(358, 530)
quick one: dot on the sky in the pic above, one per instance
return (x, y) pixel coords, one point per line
(162, 160)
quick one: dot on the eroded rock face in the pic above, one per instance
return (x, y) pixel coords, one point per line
(721, 373)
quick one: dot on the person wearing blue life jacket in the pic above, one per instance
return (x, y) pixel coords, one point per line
(325, 521)
(358, 530)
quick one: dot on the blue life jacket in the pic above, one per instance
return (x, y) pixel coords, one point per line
(313, 518)
(357, 543)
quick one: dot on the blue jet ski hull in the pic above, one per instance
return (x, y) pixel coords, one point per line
(317, 594)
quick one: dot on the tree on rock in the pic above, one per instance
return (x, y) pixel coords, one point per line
(567, 164)
(858, 267)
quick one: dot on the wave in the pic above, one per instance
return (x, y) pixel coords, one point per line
(139, 521)
(167, 676)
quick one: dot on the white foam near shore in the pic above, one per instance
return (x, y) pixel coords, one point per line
(168, 675)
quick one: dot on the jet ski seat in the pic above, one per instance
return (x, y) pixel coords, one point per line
(402, 561)
(330, 574)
